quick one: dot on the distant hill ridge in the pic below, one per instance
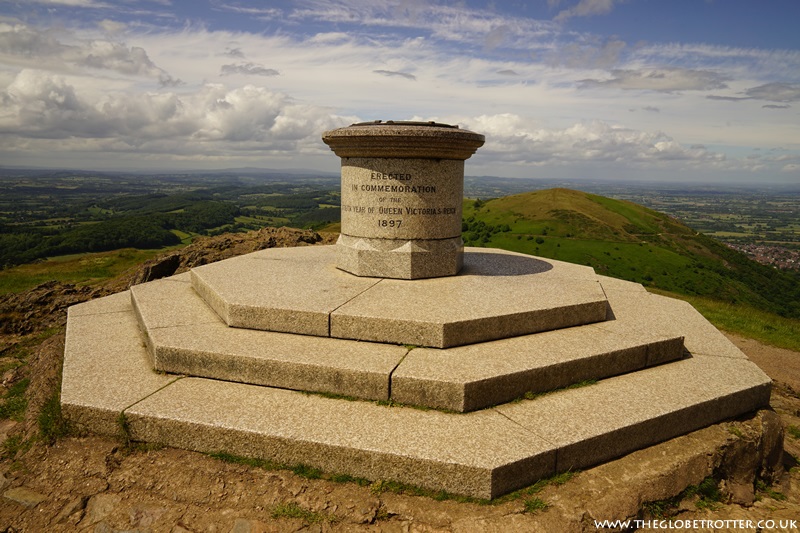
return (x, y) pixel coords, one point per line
(625, 240)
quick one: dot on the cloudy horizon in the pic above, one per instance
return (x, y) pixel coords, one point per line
(581, 89)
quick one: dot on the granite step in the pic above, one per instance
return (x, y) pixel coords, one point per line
(184, 336)
(497, 295)
(107, 377)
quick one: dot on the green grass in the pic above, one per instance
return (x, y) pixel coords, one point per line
(293, 510)
(14, 403)
(626, 241)
(746, 321)
(707, 496)
(13, 445)
(793, 432)
(535, 505)
(534, 395)
(398, 487)
(80, 269)
(764, 489)
(52, 424)
(531, 501)
(186, 238)
(707, 492)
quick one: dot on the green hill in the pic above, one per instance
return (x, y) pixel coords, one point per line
(625, 240)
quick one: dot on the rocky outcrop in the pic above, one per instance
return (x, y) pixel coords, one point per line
(210, 249)
(44, 306)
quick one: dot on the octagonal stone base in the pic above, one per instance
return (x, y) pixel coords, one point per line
(401, 258)
(497, 295)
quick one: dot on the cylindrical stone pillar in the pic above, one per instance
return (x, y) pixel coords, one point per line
(402, 191)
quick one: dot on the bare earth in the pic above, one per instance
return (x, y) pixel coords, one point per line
(89, 483)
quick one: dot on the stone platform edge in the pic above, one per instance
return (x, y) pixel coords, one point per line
(482, 454)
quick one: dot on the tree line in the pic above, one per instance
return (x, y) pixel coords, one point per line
(23, 244)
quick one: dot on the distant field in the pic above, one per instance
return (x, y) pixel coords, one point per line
(80, 269)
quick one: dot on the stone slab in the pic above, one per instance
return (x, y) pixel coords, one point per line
(398, 258)
(291, 290)
(634, 313)
(185, 336)
(498, 295)
(473, 377)
(105, 365)
(625, 413)
(459, 310)
(24, 496)
(482, 454)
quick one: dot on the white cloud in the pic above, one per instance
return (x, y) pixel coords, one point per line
(94, 4)
(669, 79)
(586, 8)
(776, 92)
(262, 12)
(248, 69)
(112, 27)
(405, 75)
(737, 62)
(20, 44)
(214, 118)
(113, 89)
(512, 139)
(592, 52)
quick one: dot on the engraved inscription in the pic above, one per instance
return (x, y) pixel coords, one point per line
(413, 200)
(390, 176)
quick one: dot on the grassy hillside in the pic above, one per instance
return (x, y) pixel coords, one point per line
(627, 241)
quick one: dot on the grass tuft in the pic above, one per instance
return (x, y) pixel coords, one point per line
(765, 489)
(14, 402)
(52, 424)
(293, 510)
(707, 494)
(533, 395)
(535, 505)
(733, 430)
(308, 472)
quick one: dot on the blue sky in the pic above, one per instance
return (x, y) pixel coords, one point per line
(683, 90)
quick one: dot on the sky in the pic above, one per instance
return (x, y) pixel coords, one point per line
(676, 90)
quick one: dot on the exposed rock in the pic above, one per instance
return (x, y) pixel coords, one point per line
(99, 507)
(145, 515)
(242, 525)
(76, 505)
(45, 305)
(41, 307)
(210, 249)
(24, 496)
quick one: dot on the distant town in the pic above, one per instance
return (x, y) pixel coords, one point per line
(777, 256)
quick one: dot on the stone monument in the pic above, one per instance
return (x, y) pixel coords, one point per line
(402, 189)
(280, 355)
